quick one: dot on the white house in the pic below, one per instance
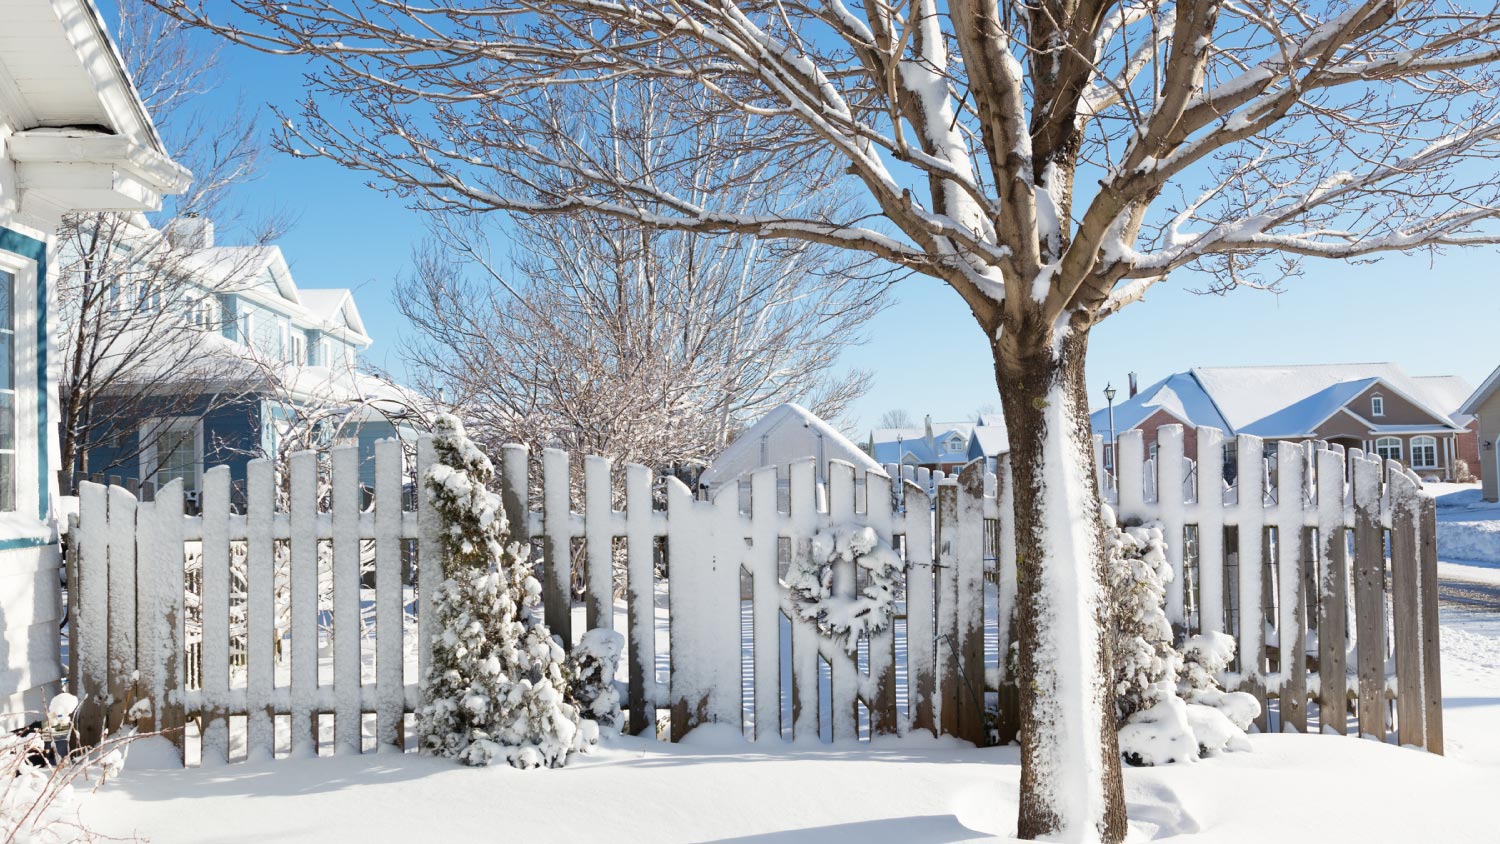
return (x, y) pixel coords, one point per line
(787, 434)
(74, 136)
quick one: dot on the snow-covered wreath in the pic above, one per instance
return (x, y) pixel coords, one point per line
(870, 609)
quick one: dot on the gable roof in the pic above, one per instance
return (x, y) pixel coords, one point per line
(1481, 395)
(1179, 394)
(787, 433)
(335, 307)
(909, 445)
(1277, 401)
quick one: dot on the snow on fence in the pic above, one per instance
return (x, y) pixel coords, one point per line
(1303, 560)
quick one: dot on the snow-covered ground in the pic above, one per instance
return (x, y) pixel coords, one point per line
(717, 787)
(1468, 526)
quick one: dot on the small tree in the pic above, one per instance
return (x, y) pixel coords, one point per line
(496, 686)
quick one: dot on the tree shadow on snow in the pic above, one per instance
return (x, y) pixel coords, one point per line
(926, 829)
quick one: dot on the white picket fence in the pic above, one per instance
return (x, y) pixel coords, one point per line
(127, 558)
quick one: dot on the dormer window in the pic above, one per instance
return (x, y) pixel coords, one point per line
(1377, 405)
(955, 445)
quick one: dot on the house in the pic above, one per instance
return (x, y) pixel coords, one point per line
(74, 136)
(787, 434)
(1484, 405)
(1375, 407)
(942, 446)
(271, 357)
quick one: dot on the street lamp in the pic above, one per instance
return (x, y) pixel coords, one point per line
(1109, 396)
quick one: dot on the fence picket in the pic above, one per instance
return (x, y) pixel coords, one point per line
(1170, 504)
(1130, 472)
(302, 514)
(347, 663)
(704, 558)
(1369, 598)
(429, 556)
(947, 625)
(1333, 588)
(970, 604)
(556, 565)
(802, 521)
(1209, 512)
(1406, 609)
(163, 649)
(91, 643)
(1432, 675)
(261, 620)
(844, 672)
(122, 608)
(598, 527)
(390, 612)
(214, 650)
(921, 641)
(884, 718)
(1250, 480)
(766, 603)
(1292, 602)
(640, 550)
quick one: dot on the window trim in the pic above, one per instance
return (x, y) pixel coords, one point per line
(1377, 405)
(28, 379)
(1400, 448)
(1425, 440)
(154, 427)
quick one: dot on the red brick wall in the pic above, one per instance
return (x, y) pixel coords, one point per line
(1161, 417)
(1468, 449)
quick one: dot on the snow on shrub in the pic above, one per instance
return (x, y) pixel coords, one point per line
(1204, 657)
(496, 687)
(1169, 704)
(840, 617)
(591, 676)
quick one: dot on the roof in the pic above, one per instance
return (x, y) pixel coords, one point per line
(787, 433)
(335, 308)
(1481, 395)
(909, 445)
(67, 93)
(1278, 401)
(1180, 395)
(992, 440)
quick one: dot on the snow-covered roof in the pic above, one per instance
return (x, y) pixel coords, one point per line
(909, 445)
(787, 433)
(335, 307)
(1179, 394)
(1481, 395)
(1279, 401)
(991, 438)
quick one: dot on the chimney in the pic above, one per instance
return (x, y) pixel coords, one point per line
(191, 232)
(931, 442)
(1133, 388)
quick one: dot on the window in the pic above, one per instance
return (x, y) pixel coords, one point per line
(1424, 453)
(1389, 448)
(299, 349)
(174, 451)
(956, 445)
(1377, 405)
(7, 393)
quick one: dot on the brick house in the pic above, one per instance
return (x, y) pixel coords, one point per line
(1375, 407)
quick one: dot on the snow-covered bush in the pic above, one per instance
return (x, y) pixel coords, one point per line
(591, 676)
(1204, 657)
(1145, 663)
(1170, 706)
(496, 686)
(869, 611)
(1462, 473)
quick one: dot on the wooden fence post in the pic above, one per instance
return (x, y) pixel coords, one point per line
(1369, 598)
(599, 547)
(347, 665)
(390, 614)
(766, 609)
(1432, 675)
(640, 597)
(1292, 604)
(1406, 607)
(884, 718)
(91, 614)
(970, 604)
(1333, 584)
(557, 547)
(260, 504)
(302, 514)
(1250, 478)
(921, 642)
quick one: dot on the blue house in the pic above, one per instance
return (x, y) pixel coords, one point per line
(942, 446)
(74, 136)
(274, 366)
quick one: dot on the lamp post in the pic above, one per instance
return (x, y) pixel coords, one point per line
(1109, 397)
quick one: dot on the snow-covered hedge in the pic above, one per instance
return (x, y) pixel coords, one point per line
(496, 687)
(1169, 704)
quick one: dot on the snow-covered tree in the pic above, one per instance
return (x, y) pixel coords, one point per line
(496, 687)
(1145, 663)
(1049, 161)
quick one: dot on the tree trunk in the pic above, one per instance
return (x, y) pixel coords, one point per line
(1071, 787)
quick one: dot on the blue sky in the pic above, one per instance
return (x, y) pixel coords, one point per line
(1431, 315)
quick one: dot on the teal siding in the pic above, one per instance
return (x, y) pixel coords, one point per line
(36, 251)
